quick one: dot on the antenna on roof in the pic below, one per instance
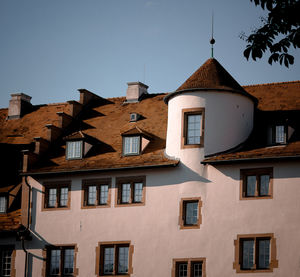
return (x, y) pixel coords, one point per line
(212, 40)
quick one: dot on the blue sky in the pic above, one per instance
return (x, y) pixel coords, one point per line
(49, 49)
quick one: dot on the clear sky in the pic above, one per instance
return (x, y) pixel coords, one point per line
(51, 48)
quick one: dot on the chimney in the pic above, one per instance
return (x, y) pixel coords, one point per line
(19, 104)
(135, 90)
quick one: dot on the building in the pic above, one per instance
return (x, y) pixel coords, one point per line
(204, 181)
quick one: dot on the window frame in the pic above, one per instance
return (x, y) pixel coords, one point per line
(182, 213)
(5, 196)
(86, 183)
(139, 146)
(47, 259)
(81, 150)
(285, 130)
(100, 259)
(130, 180)
(58, 185)
(238, 255)
(189, 262)
(184, 127)
(258, 172)
(12, 257)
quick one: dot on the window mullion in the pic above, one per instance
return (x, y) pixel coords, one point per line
(61, 266)
(255, 253)
(115, 270)
(256, 185)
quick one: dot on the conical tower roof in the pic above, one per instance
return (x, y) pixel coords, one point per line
(211, 76)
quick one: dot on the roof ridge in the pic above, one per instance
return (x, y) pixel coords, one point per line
(273, 83)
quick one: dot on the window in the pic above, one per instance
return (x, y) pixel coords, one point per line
(7, 261)
(189, 267)
(190, 213)
(3, 203)
(131, 145)
(74, 149)
(114, 258)
(130, 190)
(256, 183)
(56, 195)
(60, 260)
(255, 253)
(96, 193)
(192, 128)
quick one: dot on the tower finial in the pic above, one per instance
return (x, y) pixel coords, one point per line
(212, 41)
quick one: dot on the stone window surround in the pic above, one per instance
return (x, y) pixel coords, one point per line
(185, 113)
(182, 213)
(13, 258)
(258, 172)
(237, 253)
(189, 261)
(97, 182)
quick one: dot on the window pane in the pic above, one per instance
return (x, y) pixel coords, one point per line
(197, 269)
(69, 261)
(108, 260)
(264, 185)
(193, 129)
(103, 194)
(251, 185)
(191, 213)
(54, 262)
(63, 202)
(263, 253)
(74, 149)
(52, 197)
(123, 260)
(279, 134)
(138, 192)
(125, 193)
(248, 250)
(182, 269)
(3, 204)
(6, 262)
(131, 145)
(92, 195)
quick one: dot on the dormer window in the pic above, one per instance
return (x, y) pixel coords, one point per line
(3, 204)
(74, 149)
(131, 145)
(134, 117)
(280, 134)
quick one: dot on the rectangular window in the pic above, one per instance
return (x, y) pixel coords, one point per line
(256, 183)
(190, 213)
(192, 128)
(60, 261)
(3, 204)
(131, 145)
(7, 259)
(255, 253)
(114, 259)
(280, 134)
(188, 267)
(130, 190)
(74, 149)
(56, 195)
(96, 193)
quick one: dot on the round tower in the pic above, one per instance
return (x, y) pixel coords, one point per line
(208, 114)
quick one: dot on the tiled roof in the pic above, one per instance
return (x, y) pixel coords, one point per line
(10, 221)
(276, 96)
(106, 123)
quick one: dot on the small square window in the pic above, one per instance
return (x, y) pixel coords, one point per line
(190, 213)
(192, 128)
(255, 253)
(3, 203)
(96, 193)
(74, 149)
(256, 183)
(56, 195)
(130, 190)
(194, 267)
(131, 145)
(114, 259)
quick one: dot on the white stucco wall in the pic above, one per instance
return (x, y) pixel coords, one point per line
(154, 231)
(228, 121)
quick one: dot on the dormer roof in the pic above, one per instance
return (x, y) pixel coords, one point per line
(211, 76)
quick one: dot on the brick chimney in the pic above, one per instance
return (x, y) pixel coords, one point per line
(135, 90)
(19, 104)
